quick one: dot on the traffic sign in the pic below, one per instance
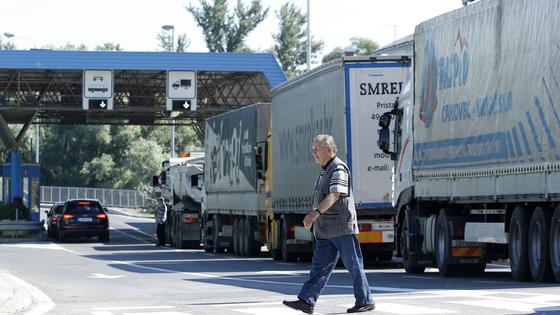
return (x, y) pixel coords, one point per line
(181, 85)
(97, 89)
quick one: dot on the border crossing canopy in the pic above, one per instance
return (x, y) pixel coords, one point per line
(50, 84)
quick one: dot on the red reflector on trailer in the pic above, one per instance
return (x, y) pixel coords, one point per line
(364, 227)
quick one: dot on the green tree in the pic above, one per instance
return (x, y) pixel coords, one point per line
(165, 41)
(223, 31)
(7, 45)
(291, 42)
(361, 45)
(109, 46)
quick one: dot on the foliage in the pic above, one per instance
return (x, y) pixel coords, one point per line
(109, 47)
(227, 32)
(8, 45)
(361, 45)
(165, 41)
(8, 212)
(291, 41)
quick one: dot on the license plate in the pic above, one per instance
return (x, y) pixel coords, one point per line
(85, 219)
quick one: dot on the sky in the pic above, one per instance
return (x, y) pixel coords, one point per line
(134, 24)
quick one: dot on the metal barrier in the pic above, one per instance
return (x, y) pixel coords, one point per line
(108, 197)
(15, 229)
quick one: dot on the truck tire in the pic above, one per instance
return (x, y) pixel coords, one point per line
(539, 235)
(443, 246)
(243, 236)
(179, 236)
(408, 264)
(555, 244)
(236, 235)
(518, 244)
(286, 255)
(275, 253)
(253, 248)
(216, 226)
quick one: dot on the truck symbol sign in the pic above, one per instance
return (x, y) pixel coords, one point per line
(186, 84)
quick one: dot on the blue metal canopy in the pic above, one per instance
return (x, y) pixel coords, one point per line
(124, 60)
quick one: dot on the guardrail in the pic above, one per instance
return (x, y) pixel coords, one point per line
(125, 198)
(15, 229)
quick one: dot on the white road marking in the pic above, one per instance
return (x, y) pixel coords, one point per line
(42, 303)
(104, 276)
(157, 313)
(268, 311)
(123, 308)
(398, 308)
(503, 305)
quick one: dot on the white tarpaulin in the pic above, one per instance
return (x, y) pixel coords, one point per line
(487, 87)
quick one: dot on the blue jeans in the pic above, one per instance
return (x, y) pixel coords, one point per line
(327, 252)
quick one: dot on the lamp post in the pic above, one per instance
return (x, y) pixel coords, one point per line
(172, 29)
(308, 37)
(12, 35)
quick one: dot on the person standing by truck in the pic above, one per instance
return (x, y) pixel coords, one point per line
(334, 223)
(161, 217)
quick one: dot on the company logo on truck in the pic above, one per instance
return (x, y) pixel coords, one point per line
(440, 74)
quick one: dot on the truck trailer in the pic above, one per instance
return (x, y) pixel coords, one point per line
(234, 211)
(344, 98)
(475, 145)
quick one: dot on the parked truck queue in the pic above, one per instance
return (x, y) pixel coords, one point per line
(259, 171)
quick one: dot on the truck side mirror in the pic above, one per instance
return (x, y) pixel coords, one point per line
(384, 142)
(385, 120)
(155, 181)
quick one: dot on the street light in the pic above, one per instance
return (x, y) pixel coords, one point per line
(171, 28)
(10, 35)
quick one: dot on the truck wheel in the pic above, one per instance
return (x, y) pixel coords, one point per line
(555, 244)
(216, 225)
(251, 247)
(179, 236)
(408, 265)
(539, 234)
(243, 236)
(443, 246)
(276, 253)
(518, 244)
(286, 255)
(236, 235)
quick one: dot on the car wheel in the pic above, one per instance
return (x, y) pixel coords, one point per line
(104, 237)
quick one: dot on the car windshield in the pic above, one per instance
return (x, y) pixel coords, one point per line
(82, 207)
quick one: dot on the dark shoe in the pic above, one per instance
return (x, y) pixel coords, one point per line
(300, 306)
(363, 308)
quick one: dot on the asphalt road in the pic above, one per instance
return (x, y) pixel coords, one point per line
(130, 276)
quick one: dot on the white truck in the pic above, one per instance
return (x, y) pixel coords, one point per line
(475, 142)
(340, 98)
(180, 183)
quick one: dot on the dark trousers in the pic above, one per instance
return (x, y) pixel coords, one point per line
(327, 252)
(160, 231)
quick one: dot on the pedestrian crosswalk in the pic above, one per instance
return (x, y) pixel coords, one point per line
(436, 302)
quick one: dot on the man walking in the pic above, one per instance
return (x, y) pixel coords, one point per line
(161, 217)
(335, 227)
